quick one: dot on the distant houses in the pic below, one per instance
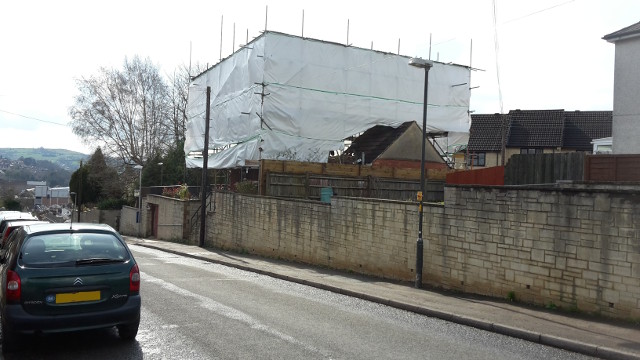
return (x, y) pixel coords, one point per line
(494, 138)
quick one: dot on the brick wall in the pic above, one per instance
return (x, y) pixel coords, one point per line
(572, 247)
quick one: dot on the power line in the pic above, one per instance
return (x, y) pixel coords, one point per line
(513, 20)
(539, 11)
(32, 118)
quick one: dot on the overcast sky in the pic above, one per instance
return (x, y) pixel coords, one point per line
(550, 53)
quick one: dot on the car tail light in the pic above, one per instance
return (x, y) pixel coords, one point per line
(134, 279)
(14, 287)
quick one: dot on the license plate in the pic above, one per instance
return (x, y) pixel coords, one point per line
(65, 298)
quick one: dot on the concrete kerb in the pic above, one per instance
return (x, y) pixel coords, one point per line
(553, 341)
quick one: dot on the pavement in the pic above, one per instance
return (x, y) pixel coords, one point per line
(579, 333)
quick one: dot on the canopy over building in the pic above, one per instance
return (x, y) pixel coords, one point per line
(290, 98)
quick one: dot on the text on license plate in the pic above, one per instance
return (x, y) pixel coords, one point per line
(77, 297)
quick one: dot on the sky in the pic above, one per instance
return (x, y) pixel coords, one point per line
(529, 55)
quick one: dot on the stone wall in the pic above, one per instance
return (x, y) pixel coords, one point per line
(565, 246)
(574, 247)
(109, 217)
(174, 217)
(128, 224)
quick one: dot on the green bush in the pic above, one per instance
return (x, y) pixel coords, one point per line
(247, 187)
(11, 204)
(112, 204)
(183, 193)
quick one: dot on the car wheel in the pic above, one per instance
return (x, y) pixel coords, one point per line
(128, 331)
(9, 339)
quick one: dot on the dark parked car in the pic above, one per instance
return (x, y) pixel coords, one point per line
(67, 277)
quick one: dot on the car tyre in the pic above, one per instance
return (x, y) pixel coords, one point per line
(9, 339)
(128, 331)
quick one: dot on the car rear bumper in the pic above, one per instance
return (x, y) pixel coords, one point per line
(21, 321)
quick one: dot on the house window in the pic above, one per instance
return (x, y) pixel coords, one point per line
(476, 159)
(530, 151)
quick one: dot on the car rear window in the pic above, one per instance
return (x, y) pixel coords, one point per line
(71, 248)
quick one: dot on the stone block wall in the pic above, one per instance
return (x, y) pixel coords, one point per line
(575, 247)
(368, 236)
(128, 224)
(109, 217)
(174, 216)
(578, 248)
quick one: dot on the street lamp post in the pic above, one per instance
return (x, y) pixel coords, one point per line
(73, 206)
(426, 65)
(161, 172)
(139, 167)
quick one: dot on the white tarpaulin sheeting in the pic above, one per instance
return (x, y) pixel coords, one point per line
(286, 97)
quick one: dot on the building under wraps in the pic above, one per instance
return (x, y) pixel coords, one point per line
(290, 98)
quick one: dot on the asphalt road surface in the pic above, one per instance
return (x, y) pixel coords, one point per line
(198, 310)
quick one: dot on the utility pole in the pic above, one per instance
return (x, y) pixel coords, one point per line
(205, 166)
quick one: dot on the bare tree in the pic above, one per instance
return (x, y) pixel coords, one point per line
(180, 80)
(124, 111)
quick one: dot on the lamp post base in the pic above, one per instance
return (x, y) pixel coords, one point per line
(419, 247)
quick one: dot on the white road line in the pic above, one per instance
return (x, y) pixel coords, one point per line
(228, 312)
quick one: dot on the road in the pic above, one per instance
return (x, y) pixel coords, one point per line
(199, 310)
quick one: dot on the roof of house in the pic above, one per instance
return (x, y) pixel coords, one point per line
(539, 129)
(628, 32)
(535, 128)
(582, 127)
(376, 140)
(486, 132)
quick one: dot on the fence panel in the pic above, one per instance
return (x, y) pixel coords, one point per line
(308, 186)
(603, 167)
(544, 168)
(489, 176)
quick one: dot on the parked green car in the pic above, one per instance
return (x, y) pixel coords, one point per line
(67, 277)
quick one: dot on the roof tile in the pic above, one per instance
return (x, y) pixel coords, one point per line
(581, 127)
(535, 128)
(539, 129)
(376, 140)
(486, 132)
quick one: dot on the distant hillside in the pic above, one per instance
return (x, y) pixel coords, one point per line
(66, 159)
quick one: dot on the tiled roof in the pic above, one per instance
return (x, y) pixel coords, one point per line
(486, 132)
(581, 127)
(376, 140)
(629, 31)
(539, 129)
(535, 128)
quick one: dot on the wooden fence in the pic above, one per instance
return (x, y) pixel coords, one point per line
(309, 187)
(304, 180)
(488, 176)
(612, 168)
(544, 168)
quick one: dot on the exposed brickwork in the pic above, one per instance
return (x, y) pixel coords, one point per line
(575, 248)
